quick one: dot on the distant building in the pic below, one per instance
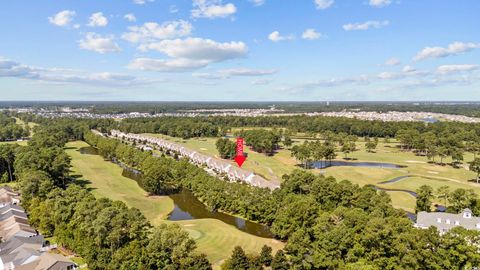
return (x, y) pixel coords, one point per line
(446, 221)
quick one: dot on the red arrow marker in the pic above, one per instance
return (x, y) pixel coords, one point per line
(240, 158)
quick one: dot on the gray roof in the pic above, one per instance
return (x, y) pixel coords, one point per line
(11, 206)
(18, 241)
(11, 213)
(447, 221)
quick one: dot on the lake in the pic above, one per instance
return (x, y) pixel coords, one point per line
(326, 164)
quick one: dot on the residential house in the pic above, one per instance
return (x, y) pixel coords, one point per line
(446, 221)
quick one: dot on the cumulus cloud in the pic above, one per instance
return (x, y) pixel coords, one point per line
(151, 31)
(141, 2)
(379, 3)
(188, 54)
(98, 43)
(440, 52)
(14, 69)
(276, 37)
(212, 9)
(311, 34)
(130, 17)
(324, 4)
(97, 19)
(392, 62)
(258, 3)
(171, 65)
(448, 69)
(62, 18)
(236, 72)
(365, 26)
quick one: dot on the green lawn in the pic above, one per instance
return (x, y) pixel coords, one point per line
(213, 237)
(106, 180)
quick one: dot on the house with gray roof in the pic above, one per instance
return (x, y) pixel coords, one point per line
(446, 221)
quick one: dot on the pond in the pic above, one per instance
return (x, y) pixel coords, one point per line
(326, 164)
(188, 207)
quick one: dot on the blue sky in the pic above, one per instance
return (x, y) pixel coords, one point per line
(214, 50)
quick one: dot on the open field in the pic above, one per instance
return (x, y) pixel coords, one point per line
(214, 238)
(273, 167)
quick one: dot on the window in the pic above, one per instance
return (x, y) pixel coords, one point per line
(457, 222)
(439, 220)
(478, 225)
(447, 221)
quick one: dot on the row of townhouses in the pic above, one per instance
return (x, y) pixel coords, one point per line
(212, 164)
(22, 247)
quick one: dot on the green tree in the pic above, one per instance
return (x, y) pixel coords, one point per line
(266, 255)
(424, 199)
(443, 193)
(475, 167)
(280, 261)
(238, 260)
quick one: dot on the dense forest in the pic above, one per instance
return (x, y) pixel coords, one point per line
(9, 130)
(107, 234)
(327, 224)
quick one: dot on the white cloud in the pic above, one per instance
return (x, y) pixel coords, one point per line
(130, 17)
(448, 69)
(324, 4)
(141, 2)
(62, 18)
(258, 3)
(392, 62)
(365, 25)
(14, 69)
(97, 19)
(379, 3)
(408, 68)
(276, 37)
(152, 31)
(98, 43)
(212, 9)
(236, 72)
(172, 65)
(188, 54)
(311, 34)
(439, 52)
(198, 48)
(76, 26)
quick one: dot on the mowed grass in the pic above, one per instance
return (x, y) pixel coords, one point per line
(273, 167)
(213, 237)
(106, 180)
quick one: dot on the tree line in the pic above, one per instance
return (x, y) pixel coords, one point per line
(9, 130)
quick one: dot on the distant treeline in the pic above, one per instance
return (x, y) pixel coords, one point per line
(461, 108)
(187, 127)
